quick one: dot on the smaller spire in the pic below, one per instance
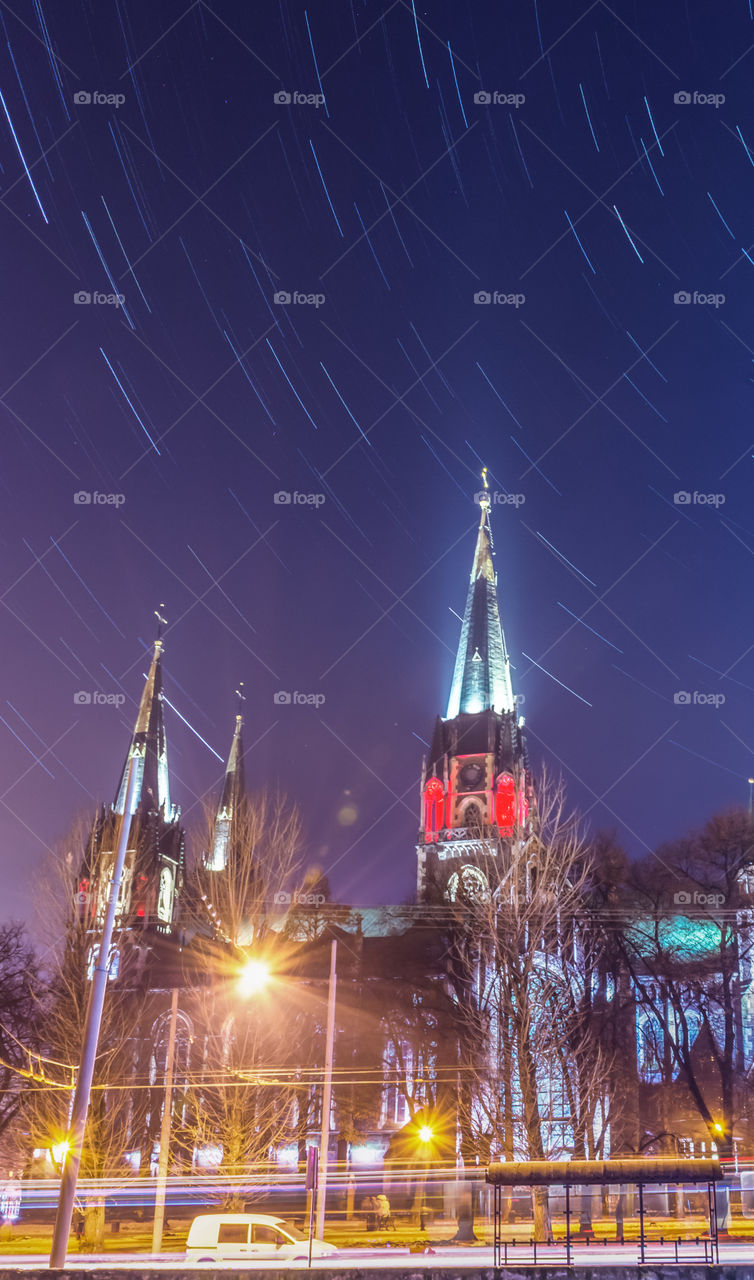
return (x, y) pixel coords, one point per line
(233, 794)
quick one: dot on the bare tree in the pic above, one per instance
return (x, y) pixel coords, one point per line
(689, 947)
(262, 860)
(240, 1098)
(22, 990)
(116, 1113)
(533, 1076)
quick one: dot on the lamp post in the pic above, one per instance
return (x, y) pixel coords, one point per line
(324, 1141)
(162, 1167)
(72, 1160)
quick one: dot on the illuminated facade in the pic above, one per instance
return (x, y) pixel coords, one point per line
(476, 788)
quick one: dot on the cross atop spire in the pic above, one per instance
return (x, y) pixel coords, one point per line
(481, 678)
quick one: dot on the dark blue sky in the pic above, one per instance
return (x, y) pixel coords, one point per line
(398, 198)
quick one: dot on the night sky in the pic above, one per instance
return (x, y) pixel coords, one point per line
(386, 204)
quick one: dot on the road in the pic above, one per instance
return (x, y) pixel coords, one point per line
(398, 1259)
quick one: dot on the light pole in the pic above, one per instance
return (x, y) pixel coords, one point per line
(72, 1160)
(162, 1167)
(324, 1141)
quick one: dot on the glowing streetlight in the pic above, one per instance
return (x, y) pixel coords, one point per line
(253, 978)
(60, 1151)
(425, 1134)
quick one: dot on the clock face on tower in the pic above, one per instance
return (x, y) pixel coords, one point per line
(471, 776)
(469, 884)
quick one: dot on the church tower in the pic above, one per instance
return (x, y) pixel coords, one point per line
(476, 788)
(155, 859)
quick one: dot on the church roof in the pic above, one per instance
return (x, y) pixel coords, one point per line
(481, 679)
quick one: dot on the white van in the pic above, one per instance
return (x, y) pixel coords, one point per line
(228, 1238)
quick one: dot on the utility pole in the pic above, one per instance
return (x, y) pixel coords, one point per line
(324, 1141)
(162, 1168)
(70, 1173)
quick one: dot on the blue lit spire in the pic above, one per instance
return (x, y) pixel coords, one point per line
(482, 679)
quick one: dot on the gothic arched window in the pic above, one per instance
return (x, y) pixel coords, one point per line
(472, 817)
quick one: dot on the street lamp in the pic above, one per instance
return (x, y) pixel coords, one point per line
(253, 977)
(425, 1134)
(60, 1151)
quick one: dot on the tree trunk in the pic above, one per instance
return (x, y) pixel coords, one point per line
(94, 1225)
(542, 1223)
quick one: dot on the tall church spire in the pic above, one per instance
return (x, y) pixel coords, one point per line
(481, 679)
(233, 793)
(149, 749)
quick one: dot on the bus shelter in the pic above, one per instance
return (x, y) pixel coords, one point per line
(572, 1174)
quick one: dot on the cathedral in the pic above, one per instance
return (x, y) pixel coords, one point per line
(405, 1016)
